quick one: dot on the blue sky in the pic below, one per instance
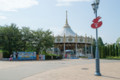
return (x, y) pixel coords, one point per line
(50, 14)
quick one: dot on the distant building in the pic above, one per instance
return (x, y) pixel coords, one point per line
(71, 44)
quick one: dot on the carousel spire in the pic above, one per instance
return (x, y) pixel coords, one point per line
(66, 28)
(66, 18)
(66, 23)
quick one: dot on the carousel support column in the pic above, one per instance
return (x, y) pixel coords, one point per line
(64, 46)
(91, 51)
(76, 47)
(64, 51)
(85, 45)
(52, 53)
(53, 48)
(76, 50)
(85, 49)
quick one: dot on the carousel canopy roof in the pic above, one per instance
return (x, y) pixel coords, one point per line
(67, 31)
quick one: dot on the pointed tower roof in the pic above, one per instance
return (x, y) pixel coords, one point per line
(66, 18)
(67, 31)
(66, 24)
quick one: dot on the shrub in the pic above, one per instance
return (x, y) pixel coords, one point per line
(6, 54)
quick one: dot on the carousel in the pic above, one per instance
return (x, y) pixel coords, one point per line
(72, 45)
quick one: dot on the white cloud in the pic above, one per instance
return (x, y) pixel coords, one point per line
(3, 17)
(13, 5)
(68, 2)
(72, 0)
(63, 4)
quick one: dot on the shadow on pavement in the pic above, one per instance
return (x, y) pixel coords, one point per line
(118, 78)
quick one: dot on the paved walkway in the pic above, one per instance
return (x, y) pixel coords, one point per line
(76, 69)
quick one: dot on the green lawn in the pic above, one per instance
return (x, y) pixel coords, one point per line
(0, 50)
(115, 58)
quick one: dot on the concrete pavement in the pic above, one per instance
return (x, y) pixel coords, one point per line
(77, 69)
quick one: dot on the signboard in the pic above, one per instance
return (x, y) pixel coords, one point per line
(42, 57)
(24, 55)
(96, 23)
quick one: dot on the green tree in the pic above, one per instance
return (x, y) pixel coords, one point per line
(105, 51)
(113, 50)
(100, 42)
(101, 47)
(26, 38)
(48, 40)
(116, 50)
(94, 47)
(118, 44)
(42, 40)
(11, 38)
(108, 50)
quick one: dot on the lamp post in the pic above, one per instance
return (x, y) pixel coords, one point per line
(95, 8)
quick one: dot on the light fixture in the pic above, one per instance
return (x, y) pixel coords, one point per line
(97, 2)
(93, 6)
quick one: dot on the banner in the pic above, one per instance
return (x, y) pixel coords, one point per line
(42, 57)
(24, 55)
